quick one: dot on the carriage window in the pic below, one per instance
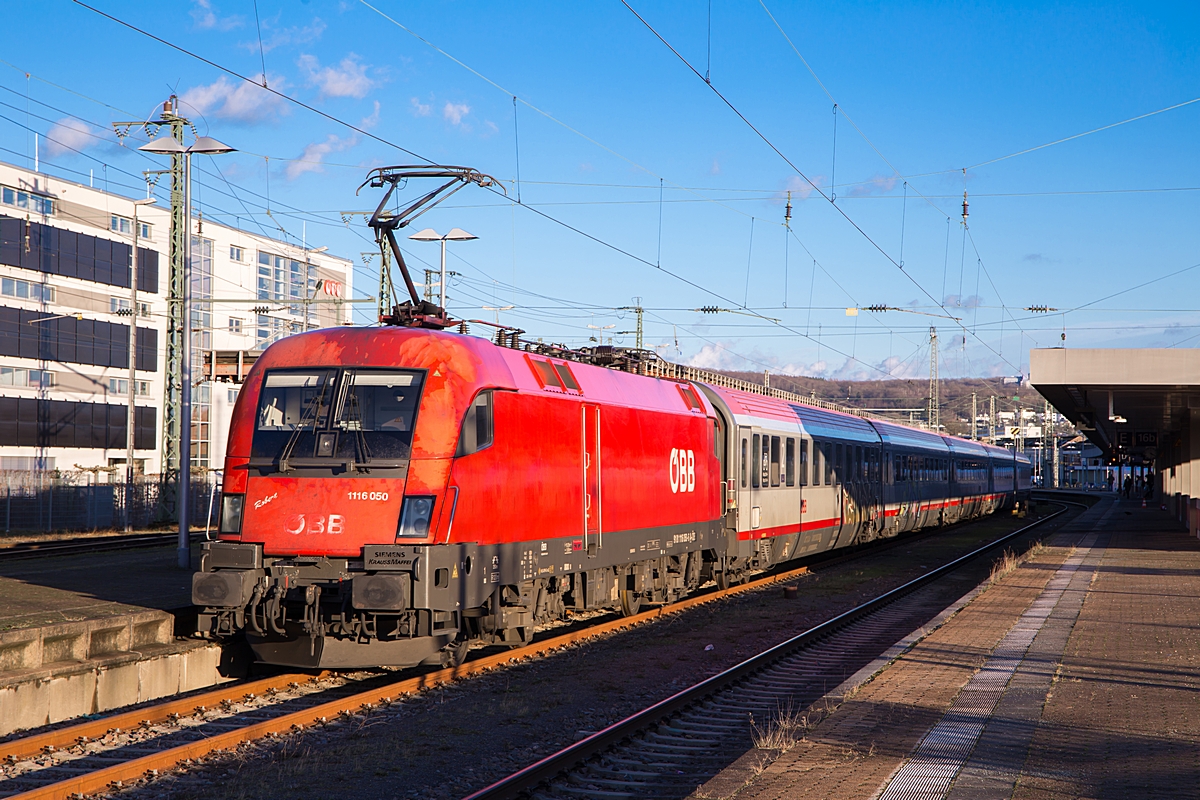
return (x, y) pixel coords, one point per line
(827, 457)
(789, 463)
(765, 461)
(803, 462)
(859, 470)
(774, 460)
(744, 460)
(477, 427)
(816, 463)
(899, 469)
(839, 461)
(756, 471)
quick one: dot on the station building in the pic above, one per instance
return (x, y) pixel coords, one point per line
(66, 306)
(1140, 407)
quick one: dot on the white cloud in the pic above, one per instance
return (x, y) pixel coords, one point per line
(205, 17)
(370, 121)
(298, 34)
(313, 157)
(69, 134)
(715, 169)
(347, 79)
(237, 102)
(799, 187)
(879, 183)
(960, 301)
(420, 109)
(490, 129)
(454, 112)
(710, 356)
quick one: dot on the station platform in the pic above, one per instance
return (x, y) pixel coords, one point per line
(81, 634)
(1076, 675)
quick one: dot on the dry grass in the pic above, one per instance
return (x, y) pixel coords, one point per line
(1010, 561)
(782, 731)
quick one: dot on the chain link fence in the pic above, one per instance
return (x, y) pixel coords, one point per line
(60, 501)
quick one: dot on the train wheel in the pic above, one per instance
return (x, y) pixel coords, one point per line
(455, 654)
(630, 604)
(722, 579)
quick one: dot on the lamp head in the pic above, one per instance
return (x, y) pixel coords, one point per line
(427, 235)
(163, 145)
(209, 146)
(459, 235)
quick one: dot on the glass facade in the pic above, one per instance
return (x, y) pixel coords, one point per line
(283, 279)
(201, 286)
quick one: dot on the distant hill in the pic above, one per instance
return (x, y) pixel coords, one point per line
(955, 395)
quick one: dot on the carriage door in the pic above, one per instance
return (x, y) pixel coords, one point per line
(747, 464)
(591, 478)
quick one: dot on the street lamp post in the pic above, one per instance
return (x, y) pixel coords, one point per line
(168, 145)
(455, 235)
(131, 416)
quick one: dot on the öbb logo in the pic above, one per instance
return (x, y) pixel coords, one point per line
(683, 471)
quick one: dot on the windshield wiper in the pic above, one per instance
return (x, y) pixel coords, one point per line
(313, 412)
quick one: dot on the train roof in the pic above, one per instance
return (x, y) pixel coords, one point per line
(481, 362)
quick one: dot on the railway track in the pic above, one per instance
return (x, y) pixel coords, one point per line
(670, 748)
(81, 759)
(89, 544)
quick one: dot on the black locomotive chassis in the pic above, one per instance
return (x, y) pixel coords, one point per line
(401, 605)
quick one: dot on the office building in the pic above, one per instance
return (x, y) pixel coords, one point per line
(66, 251)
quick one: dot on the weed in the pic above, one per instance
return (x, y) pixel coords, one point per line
(1010, 561)
(782, 731)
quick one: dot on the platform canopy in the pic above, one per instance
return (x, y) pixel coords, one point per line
(1134, 404)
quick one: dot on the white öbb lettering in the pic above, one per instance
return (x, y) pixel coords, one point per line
(298, 524)
(683, 471)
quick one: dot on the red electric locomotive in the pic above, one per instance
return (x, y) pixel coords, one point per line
(393, 494)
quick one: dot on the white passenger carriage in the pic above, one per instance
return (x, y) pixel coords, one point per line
(800, 479)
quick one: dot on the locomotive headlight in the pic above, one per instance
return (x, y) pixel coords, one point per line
(231, 513)
(414, 517)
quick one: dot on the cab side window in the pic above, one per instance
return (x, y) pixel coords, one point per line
(478, 425)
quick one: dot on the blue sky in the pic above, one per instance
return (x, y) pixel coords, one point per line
(606, 114)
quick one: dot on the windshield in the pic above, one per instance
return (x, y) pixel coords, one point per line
(325, 417)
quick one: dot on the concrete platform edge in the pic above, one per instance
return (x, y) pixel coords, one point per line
(67, 691)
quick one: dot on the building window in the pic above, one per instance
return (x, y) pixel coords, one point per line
(120, 386)
(119, 306)
(30, 378)
(18, 198)
(119, 224)
(233, 393)
(235, 325)
(143, 309)
(24, 290)
(236, 253)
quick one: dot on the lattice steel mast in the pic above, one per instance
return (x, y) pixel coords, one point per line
(172, 426)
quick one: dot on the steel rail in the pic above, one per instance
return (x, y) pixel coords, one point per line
(88, 545)
(584, 749)
(69, 735)
(101, 779)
